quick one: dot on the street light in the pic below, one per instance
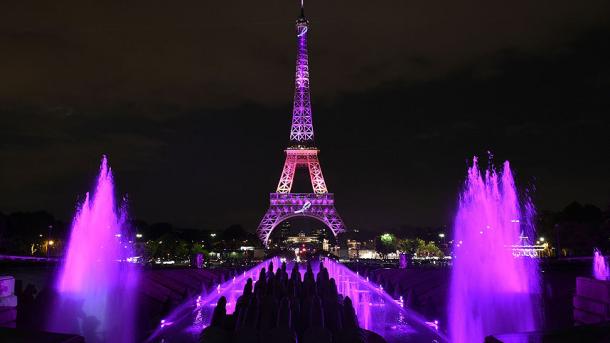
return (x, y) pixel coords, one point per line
(542, 239)
(441, 235)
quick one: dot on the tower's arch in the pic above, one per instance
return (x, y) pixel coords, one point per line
(285, 206)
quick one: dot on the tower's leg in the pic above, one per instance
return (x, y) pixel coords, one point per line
(285, 184)
(315, 173)
(334, 222)
(267, 225)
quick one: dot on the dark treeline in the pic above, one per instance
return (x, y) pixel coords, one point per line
(29, 233)
(574, 231)
(19, 231)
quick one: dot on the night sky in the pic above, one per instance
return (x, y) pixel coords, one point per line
(191, 101)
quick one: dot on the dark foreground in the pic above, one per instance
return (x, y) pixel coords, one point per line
(424, 289)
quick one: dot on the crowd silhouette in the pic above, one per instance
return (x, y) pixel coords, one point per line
(281, 309)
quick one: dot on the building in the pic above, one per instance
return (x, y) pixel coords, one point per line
(301, 238)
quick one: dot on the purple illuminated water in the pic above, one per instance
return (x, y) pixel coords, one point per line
(186, 322)
(600, 266)
(491, 291)
(94, 288)
(376, 310)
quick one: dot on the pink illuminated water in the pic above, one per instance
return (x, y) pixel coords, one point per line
(491, 291)
(600, 266)
(376, 310)
(94, 286)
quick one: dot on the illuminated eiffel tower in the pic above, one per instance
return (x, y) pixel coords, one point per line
(301, 153)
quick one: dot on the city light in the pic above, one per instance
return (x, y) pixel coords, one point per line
(51, 242)
(542, 239)
(212, 235)
(441, 235)
(138, 235)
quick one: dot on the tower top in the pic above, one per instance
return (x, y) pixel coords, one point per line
(301, 131)
(302, 20)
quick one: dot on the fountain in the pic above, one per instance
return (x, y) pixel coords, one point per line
(95, 284)
(375, 310)
(491, 290)
(186, 321)
(600, 266)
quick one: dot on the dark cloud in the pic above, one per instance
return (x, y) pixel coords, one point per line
(191, 101)
(217, 54)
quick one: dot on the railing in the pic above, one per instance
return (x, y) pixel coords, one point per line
(28, 258)
(301, 196)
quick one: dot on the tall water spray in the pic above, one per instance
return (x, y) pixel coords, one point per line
(95, 285)
(491, 291)
(600, 266)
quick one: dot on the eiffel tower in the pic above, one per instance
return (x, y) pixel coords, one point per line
(301, 153)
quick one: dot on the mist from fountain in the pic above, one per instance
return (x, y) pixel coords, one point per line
(600, 266)
(491, 290)
(95, 286)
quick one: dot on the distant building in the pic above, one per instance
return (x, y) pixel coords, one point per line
(284, 230)
(301, 238)
(325, 245)
(527, 249)
(361, 248)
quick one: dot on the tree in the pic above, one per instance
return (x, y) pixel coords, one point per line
(235, 236)
(429, 250)
(168, 246)
(420, 248)
(385, 244)
(410, 246)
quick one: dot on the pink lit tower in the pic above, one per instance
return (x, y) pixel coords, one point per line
(301, 153)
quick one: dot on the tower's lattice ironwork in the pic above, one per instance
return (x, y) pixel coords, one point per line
(301, 153)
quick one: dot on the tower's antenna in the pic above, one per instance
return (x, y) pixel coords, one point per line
(302, 9)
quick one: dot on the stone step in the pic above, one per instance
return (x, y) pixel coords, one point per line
(8, 301)
(598, 290)
(7, 285)
(591, 306)
(584, 317)
(8, 315)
